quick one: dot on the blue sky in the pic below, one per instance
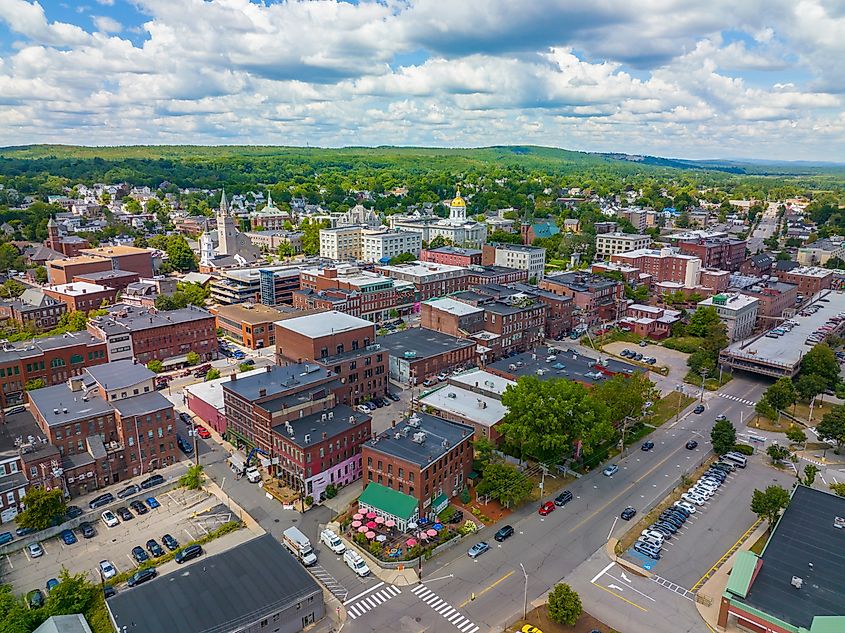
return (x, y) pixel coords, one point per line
(759, 79)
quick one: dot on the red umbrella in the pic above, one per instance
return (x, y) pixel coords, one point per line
(432, 533)
(370, 535)
(371, 515)
(411, 542)
(371, 525)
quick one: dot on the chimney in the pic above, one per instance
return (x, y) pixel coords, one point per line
(262, 392)
(233, 377)
(393, 423)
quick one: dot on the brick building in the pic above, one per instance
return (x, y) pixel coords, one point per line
(430, 280)
(250, 324)
(137, 260)
(109, 422)
(62, 271)
(377, 293)
(665, 264)
(595, 299)
(339, 342)
(117, 279)
(82, 295)
(558, 316)
(67, 245)
(650, 321)
(419, 353)
(292, 415)
(423, 456)
(450, 316)
(757, 265)
(33, 310)
(719, 252)
(148, 334)
(477, 275)
(451, 256)
(810, 280)
(773, 298)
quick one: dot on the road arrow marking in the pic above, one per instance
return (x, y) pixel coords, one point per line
(617, 587)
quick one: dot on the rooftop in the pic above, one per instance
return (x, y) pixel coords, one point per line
(452, 306)
(733, 301)
(656, 252)
(122, 318)
(274, 379)
(75, 623)
(105, 275)
(805, 544)
(416, 343)
(483, 381)
(466, 404)
(119, 374)
(116, 251)
(251, 313)
(552, 362)
(142, 404)
(211, 392)
(623, 236)
(422, 269)
(20, 425)
(321, 426)
(438, 437)
(79, 259)
(323, 324)
(811, 271)
(220, 593)
(390, 501)
(519, 247)
(60, 405)
(77, 288)
(455, 250)
(581, 282)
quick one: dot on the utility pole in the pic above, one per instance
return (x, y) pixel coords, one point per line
(679, 389)
(703, 378)
(525, 593)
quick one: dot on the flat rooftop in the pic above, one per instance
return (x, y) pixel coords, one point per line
(804, 535)
(788, 349)
(483, 381)
(567, 363)
(17, 426)
(122, 318)
(251, 313)
(221, 592)
(418, 343)
(452, 306)
(331, 423)
(211, 392)
(323, 324)
(59, 405)
(119, 374)
(733, 300)
(78, 288)
(440, 437)
(117, 251)
(274, 379)
(466, 404)
(422, 270)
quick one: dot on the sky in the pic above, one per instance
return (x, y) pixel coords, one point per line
(681, 78)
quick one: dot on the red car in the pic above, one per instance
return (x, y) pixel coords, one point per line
(546, 508)
(203, 432)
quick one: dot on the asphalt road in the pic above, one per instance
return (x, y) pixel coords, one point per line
(551, 548)
(765, 228)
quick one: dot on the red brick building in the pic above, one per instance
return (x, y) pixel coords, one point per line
(251, 324)
(423, 456)
(773, 298)
(67, 245)
(478, 275)
(417, 354)
(451, 256)
(362, 293)
(137, 260)
(62, 271)
(650, 321)
(117, 279)
(721, 252)
(430, 280)
(450, 316)
(339, 342)
(33, 310)
(82, 295)
(665, 264)
(595, 299)
(809, 279)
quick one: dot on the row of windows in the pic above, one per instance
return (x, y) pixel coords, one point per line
(14, 370)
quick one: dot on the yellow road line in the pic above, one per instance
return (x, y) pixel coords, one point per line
(725, 556)
(613, 593)
(487, 588)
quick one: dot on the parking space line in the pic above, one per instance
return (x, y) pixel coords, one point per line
(9, 560)
(725, 556)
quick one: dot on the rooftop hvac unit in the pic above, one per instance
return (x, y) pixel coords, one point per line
(351, 419)
(419, 438)
(797, 582)
(307, 438)
(414, 421)
(323, 418)
(330, 415)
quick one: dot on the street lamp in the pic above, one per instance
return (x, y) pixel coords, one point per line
(703, 378)
(525, 593)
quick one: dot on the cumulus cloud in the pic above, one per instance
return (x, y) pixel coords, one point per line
(677, 77)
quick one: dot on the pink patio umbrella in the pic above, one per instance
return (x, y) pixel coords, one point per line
(431, 533)
(370, 535)
(371, 525)
(390, 523)
(362, 529)
(356, 524)
(411, 542)
(379, 520)
(371, 515)
(423, 536)
(357, 517)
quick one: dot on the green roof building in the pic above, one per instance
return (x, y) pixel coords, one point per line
(389, 504)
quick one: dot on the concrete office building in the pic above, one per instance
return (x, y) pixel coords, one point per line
(737, 311)
(608, 244)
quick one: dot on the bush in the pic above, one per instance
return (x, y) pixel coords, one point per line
(744, 449)
(309, 500)
(447, 514)
(331, 491)
(155, 366)
(192, 479)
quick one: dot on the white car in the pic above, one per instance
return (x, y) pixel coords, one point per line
(693, 498)
(689, 507)
(654, 534)
(706, 493)
(332, 541)
(110, 519)
(651, 541)
(107, 570)
(707, 483)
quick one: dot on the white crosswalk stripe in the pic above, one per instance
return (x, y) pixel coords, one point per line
(747, 403)
(442, 607)
(360, 606)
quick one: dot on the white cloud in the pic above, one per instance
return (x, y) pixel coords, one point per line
(106, 24)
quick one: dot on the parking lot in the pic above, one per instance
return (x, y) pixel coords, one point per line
(175, 516)
(714, 528)
(676, 361)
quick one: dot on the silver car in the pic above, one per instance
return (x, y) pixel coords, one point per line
(35, 550)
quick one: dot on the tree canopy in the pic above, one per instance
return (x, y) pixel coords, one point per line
(42, 507)
(723, 437)
(768, 504)
(821, 361)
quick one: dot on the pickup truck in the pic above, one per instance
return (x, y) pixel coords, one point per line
(253, 475)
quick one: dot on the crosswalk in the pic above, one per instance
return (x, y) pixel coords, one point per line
(329, 581)
(443, 608)
(748, 403)
(358, 606)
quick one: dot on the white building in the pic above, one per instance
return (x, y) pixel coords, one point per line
(359, 215)
(457, 228)
(530, 258)
(608, 244)
(359, 243)
(737, 311)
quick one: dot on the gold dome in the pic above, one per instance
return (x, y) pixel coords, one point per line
(458, 201)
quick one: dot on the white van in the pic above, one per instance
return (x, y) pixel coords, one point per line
(736, 458)
(356, 563)
(332, 541)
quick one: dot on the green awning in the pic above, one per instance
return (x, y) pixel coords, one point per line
(440, 503)
(739, 581)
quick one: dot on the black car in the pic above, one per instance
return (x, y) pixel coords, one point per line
(692, 444)
(128, 491)
(155, 480)
(100, 501)
(678, 517)
(662, 529)
(139, 507)
(506, 531)
(189, 553)
(628, 513)
(24, 531)
(666, 525)
(139, 554)
(170, 543)
(124, 513)
(671, 519)
(457, 517)
(109, 591)
(563, 498)
(86, 529)
(699, 409)
(682, 510)
(721, 475)
(647, 446)
(142, 576)
(724, 467)
(154, 548)
(35, 599)
(73, 512)
(185, 418)
(393, 396)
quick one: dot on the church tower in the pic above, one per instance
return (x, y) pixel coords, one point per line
(206, 249)
(226, 231)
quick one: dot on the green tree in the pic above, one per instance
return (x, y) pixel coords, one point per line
(41, 275)
(34, 383)
(245, 367)
(547, 417)
(15, 616)
(11, 288)
(74, 594)
(193, 478)
(810, 472)
(155, 366)
(832, 426)
(439, 241)
(504, 483)
(796, 435)
(193, 358)
(564, 605)
(41, 508)
(624, 396)
(701, 319)
(212, 374)
(777, 453)
(723, 437)
(821, 361)
(838, 488)
(179, 254)
(498, 237)
(768, 504)
(834, 263)
(781, 394)
(403, 258)
(810, 385)
(483, 448)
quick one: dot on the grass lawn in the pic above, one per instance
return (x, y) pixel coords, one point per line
(685, 344)
(760, 543)
(802, 411)
(612, 337)
(711, 384)
(667, 407)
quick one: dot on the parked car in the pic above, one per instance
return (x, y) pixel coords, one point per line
(68, 537)
(101, 501)
(139, 554)
(138, 507)
(155, 480)
(154, 548)
(107, 570)
(170, 543)
(35, 550)
(647, 445)
(203, 432)
(546, 508)
(693, 498)
(457, 517)
(647, 552)
(86, 530)
(109, 591)
(73, 512)
(35, 599)
(52, 584)
(691, 445)
(655, 535)
(124, 514)
(22, 532)
(152, 503)
(6, 537)
(698, 409)
(393, 396)
(142, 576)
(721, 417)
(110, 519)
(610, 470)
(442, 376)
(504, 532)
(128, 491)
(189, 553)
(563, 498)
(478, 549)
(689, 507)
(628, 513)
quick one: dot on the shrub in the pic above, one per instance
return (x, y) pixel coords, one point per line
(309, 500)
(744, 449)
(331, 491)
(192, 479)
